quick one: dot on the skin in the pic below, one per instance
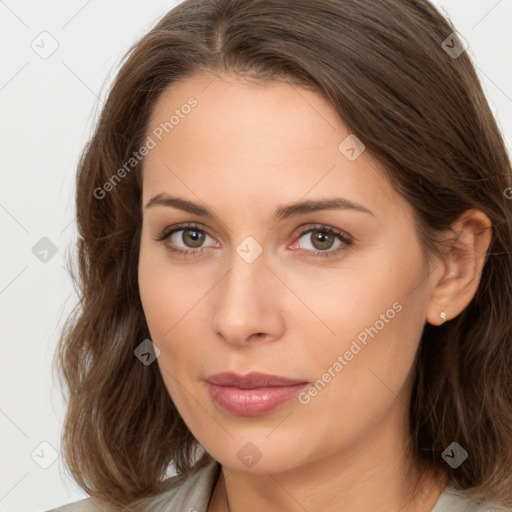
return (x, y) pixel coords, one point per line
(244, 150)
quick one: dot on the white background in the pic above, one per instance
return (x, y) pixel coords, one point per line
(47, 111)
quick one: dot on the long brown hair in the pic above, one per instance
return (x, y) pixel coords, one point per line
(386, 69)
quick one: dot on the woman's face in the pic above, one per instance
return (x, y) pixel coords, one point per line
(251, 296)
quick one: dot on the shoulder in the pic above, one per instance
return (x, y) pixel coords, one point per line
(86, 505)
(454, 500)
(189, 492)
(180, 492)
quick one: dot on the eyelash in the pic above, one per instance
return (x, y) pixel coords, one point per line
(343, 237)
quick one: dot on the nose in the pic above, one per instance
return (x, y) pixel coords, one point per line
(247, 304)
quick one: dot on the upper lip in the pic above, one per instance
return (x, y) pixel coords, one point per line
(251, 380)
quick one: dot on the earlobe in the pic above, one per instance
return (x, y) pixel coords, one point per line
(463, 263)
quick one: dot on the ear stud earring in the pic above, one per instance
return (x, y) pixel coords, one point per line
(443, 316)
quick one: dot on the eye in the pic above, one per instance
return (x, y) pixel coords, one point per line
(322, 238)
(188, 234)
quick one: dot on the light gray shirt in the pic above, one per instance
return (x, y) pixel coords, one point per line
(191, 493)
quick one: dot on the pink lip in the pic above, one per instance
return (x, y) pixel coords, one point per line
(252, 394)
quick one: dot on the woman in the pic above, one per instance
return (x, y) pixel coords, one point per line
(295, 263)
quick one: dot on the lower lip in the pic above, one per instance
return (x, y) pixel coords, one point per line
(253, 402)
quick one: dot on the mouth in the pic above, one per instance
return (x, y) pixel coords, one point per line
(252, 394)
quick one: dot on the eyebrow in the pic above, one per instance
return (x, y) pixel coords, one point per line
(282, 212)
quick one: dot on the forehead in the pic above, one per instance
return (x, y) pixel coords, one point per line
(217, 135)
(238, 106)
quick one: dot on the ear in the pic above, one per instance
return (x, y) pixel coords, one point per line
(461, 266)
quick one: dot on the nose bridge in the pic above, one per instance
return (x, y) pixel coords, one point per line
(246, 303)
(248, 268)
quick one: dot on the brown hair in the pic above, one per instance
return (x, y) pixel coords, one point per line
(420, 111)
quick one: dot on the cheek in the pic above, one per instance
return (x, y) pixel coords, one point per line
(165, 306)
(172, 299)
(374, 294)
(167, 291)
(377, 317)
(371, 354)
